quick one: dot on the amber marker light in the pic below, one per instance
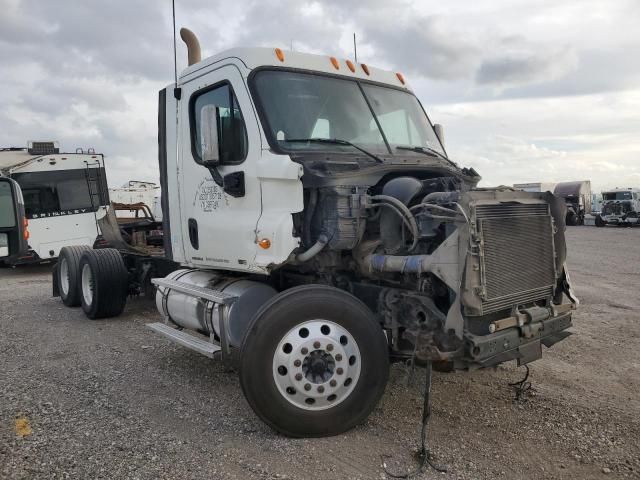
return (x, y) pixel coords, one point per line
(351, 66)
(400, 77)
(279, 54)
(265, 243)
(334, 62)
(365, 69)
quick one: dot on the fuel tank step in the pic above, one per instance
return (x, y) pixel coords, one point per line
(185, 339)
(195, 291)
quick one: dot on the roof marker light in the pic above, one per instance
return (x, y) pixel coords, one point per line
(334, 62)
(351, 66)
(279, 54)
(400, 77)
(365, 69)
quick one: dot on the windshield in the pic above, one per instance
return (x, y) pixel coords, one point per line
(301, 106)
(616, 196)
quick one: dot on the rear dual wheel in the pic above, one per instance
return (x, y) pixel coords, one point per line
(103, 283)
(314, 362)
(68, 275)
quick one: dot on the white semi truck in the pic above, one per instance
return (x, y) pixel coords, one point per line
(62, 192)
(315, 230)
(620, 206)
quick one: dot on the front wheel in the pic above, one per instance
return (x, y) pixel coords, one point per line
(314, 362)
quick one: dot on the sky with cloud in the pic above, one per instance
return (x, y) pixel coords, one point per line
(533, 90)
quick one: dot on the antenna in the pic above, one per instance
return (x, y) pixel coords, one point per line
(175, 58)
(355, 49)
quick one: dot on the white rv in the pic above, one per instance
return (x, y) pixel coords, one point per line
(136, 191)
(62, 192)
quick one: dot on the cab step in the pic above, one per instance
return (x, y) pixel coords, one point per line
(185, 339)
(195, 291)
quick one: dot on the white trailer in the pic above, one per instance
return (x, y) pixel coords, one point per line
(135, 192)
(535, 186)
(62, 192)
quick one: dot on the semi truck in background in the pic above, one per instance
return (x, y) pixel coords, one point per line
(61, 191)
(620, 206)
(577, 196)
(316, 230)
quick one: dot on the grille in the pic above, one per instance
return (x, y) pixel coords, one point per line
(517, 261)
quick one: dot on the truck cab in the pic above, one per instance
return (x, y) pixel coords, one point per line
(315, 230)
(620, 206)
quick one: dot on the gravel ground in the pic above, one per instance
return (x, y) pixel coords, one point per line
(109, 399)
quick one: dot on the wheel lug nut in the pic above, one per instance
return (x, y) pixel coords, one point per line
(297, 363)
(339, 371)
(329, 348)
(333, 383)
(316, 344)
(338, 357)
(304, 351)
(307, 387)
(320, 389)
(298, 376)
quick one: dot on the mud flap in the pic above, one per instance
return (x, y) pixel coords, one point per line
(54, 283)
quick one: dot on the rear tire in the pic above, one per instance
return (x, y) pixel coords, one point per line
(314, 362)
(68, 274)
(599, 221)
(103, 282)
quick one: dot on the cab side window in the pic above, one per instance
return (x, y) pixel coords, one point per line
(232, 133)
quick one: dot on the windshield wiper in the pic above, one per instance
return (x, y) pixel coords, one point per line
(335, 141)
(430, 152)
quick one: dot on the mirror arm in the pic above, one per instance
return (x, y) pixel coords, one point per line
(215, 174)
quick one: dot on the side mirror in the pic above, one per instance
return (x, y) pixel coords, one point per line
(13, 224)
(439, 132)
(210, 146)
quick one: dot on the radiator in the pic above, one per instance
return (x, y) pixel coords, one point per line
(517, 263)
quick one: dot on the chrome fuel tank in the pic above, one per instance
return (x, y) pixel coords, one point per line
(204, 316)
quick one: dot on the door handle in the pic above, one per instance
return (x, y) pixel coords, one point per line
(193, 233)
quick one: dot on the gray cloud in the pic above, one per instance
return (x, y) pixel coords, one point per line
(87, 73)
(526, 67)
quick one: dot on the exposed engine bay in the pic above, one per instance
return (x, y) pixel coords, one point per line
(463, 276)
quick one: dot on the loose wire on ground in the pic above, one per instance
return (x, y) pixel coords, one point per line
(522, 387)
(424, 451)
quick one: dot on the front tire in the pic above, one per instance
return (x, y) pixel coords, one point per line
(314, 362)
(103, 283)
(68, 272)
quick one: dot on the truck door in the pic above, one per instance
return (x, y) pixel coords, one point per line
(220, 200)
(13, 224)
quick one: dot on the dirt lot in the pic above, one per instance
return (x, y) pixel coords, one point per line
(109, 399)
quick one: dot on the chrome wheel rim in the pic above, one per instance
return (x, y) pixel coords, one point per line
(87, 284)
(64, 276)
(316, 365)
